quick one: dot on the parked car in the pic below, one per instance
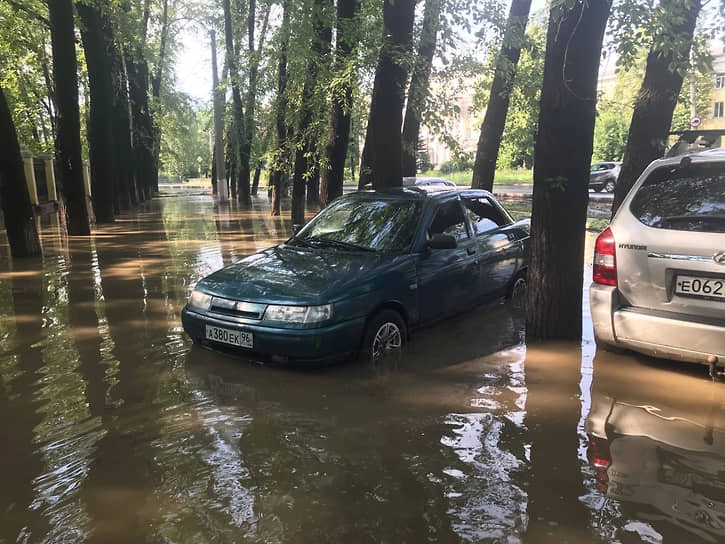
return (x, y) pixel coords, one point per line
(428, 182)
(659, 268)
(603, 176)
(362, 274)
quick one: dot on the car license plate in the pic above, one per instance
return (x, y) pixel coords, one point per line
(227, 336)
(700, 287)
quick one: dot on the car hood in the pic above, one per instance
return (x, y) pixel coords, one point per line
(287, 275)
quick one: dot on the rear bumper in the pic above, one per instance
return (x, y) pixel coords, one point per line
(659, 334)
(318, 344)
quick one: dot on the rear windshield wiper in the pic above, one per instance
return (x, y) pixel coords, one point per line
(337, 243)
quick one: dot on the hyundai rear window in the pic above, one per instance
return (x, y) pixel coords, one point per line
(690, 197)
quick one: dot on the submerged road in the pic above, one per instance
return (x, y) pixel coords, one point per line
(115, 429)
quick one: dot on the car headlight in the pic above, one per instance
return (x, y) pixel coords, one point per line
(298, 314)
(199, 300)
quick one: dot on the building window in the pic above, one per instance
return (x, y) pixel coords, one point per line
(718, 110)
(720, 81)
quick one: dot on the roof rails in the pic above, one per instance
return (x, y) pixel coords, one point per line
(692, 141)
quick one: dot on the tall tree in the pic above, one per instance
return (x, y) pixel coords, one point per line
(17, 210)
(489, 139)
(237, 131)
(667, 62)
(306, 161)
(156, 78)
(68, 121)
(278, 168)
(338, 134)
(381, 158)
(97, 44)
(561, 167)
(418, 90)
(218, 97)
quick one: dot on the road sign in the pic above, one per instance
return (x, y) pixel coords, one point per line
(695, 122)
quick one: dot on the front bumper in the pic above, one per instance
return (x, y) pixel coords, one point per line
(314, 344)
(655, 333)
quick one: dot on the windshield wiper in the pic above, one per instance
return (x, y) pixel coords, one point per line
(337, 243)
(299, 241)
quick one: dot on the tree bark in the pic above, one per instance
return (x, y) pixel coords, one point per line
(338, 133)
(126, 196)
(156, 91)
(95, 31)
(68, 121)
(418, 90)
(489, 139)
(652, 117)
(561, 168)
(143, 132)
(306, 154)
(237, 127)
(221, 177)
(381, 157)
(17, 209)
(278, 169)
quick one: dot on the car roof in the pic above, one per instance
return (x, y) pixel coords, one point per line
(709, 155)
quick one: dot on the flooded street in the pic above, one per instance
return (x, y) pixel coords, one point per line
(116, 429)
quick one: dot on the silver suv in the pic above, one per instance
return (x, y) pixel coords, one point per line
(659, 268)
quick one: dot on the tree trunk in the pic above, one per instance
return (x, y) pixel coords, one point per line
(97, 44)
(306, 154)
(221, 177)
(257, 175)
(657, 97)
(251, 97)
(381, 158)
(418, 91)
(489, 139)
(561, 168)
(143, 135)
(156, 91)
(17, 209)
(278, 169)
(68, 121)
(237, 128)
(126, 196)
(338, 134)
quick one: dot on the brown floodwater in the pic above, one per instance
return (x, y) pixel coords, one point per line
(115, 429)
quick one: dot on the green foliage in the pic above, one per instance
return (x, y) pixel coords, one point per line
(25, 72)
(185, 130)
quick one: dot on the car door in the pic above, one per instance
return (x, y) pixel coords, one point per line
(499, 248)
(447, 278)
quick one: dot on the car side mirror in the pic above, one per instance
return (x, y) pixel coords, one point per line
(296, 228)
(442, 241)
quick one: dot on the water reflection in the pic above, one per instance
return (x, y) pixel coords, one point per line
(116, 430)
(657, 449)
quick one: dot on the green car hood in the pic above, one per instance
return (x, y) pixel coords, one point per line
(289, 275)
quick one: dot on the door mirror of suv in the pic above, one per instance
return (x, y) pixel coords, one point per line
(442, 241)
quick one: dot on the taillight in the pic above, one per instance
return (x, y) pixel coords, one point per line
(601, 460)
(605, 259)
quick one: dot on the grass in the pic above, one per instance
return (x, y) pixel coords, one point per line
(506, 176)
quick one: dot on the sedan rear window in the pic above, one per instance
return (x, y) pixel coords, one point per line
(683, 198)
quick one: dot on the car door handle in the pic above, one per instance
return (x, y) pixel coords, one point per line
(470, 250)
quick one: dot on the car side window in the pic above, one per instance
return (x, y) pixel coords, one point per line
(484, 216)
(449, 219)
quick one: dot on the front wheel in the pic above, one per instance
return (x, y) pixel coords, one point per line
(517, 292)
(609, 186)
(384, 336)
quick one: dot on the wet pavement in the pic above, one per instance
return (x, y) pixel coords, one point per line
(115, 429)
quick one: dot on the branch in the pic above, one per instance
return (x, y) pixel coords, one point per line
(33, 14)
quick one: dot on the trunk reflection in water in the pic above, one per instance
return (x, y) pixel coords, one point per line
(116, 430)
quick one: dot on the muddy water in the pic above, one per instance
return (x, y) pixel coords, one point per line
(114, 429)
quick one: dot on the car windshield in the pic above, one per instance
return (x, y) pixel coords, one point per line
(683, 198)
(361, 224)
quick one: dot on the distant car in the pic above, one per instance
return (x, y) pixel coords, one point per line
(659, 268)
(428, 182)
(603, 176)
(364, 272)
